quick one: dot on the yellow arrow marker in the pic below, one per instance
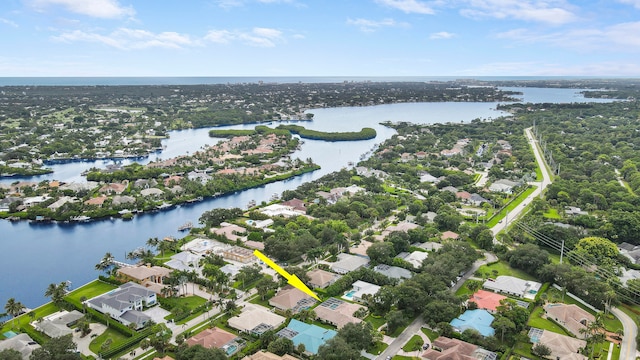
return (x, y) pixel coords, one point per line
(292, 279)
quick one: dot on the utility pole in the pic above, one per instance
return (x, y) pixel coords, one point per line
(561, 251)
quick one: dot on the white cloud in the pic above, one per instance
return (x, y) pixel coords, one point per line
(635, 3)
(623, 37)
(260, 37)
(373, 25)
(408, 6)
(126, 39)
(442, 35)
(106, 9)
(8, 22)
(554, 12)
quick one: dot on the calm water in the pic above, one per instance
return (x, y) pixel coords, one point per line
(34, 256)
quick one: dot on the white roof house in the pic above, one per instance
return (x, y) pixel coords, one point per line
(57, 324)
(347, 263)
(201, 246)
(280, 210)
(361, 288)
(513, 286)
(184, 261)
(125, 303)
(415, 258)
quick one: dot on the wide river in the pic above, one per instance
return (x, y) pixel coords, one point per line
(35, 255)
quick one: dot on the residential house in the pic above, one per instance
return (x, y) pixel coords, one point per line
(574, 211)
(144, 275)
(265, 355)
(449, 235)
(338, 313)
(290, 298)
(203, 247)
(562, 347)
(463, 196)
(451, 189)
(175, 178)
(232, 232)
(145, 183)
(97, 201)
(312, 336)
(393, 272)
(125, 304)
(426, 177)
(123, 199)
(21, 343)
(487, 300)
(630, 251)
(503, 186)
(571, 316)
(148, 192)
(239, 254)
(513, 286)
(444, 348)
(320, 279)
(361, 248)
(6, 202)
(360, 290)
(297, 205)
(113, 188)
(347, 263)
(274, 210)
(479, 320)
(61, 201)
(215, 338)
(59, 323)
(184, 261)
(256, 319)
(415, 258)
(203, 178)
(34, 200)
(404, 227)
(477, 200)
(429, 246)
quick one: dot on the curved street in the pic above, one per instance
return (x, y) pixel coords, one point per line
(628, 346)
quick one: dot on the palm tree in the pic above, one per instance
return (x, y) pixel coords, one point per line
(57, 292)
(153, 242)
(13, 308)
(106, 262)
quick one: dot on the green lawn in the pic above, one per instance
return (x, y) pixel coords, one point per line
(431, 334)
(499, 216)
(503, 268)
(91, 290)
(536, 320)
(24, 319)
(611, 322)
(376, 321)
(415, 343)
(115, 336)
(377, 348)
(552, 214)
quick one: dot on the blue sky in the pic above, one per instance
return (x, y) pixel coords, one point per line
(320, 38)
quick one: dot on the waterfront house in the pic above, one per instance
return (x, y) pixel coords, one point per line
(125, 304)
(97, 201)
(113, 188)
(232, 232)
(144, 275)
(148, 192)
(184, 261)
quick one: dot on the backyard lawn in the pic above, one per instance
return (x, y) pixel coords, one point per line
(90, 290)
(24, 319)
(502, 268)
(536, 321)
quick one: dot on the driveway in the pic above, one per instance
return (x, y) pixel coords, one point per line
(157, 314)
(83, 342)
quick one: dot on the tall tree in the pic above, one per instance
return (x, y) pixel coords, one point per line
(13, 308)
(58, 348)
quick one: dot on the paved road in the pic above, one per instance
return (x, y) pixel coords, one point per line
(628, 346)
(540, 185)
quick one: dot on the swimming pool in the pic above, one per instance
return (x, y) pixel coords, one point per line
(349, 295)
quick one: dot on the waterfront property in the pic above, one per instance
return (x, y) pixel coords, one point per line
(125, 304)
(59, 323)
(312, 336)
(151, 277)
(21, 343)
(479, 320)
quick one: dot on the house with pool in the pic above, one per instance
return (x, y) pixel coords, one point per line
(360, 289)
